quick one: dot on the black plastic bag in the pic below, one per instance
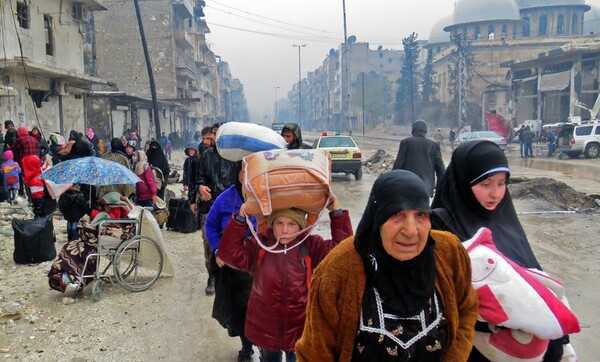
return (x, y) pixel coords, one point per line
(34, 240)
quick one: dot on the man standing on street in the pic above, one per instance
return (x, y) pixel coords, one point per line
(11, 135)
(293, 136)
(421, 156)
(214, 174)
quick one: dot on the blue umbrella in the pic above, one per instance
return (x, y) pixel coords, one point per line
(94, 171)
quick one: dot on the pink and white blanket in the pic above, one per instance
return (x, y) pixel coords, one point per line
(526, 307)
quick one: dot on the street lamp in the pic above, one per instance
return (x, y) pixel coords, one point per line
(299, 81)
(276, 88)
(345, 85)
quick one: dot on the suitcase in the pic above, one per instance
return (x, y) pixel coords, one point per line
(181, 217)
(34, 240)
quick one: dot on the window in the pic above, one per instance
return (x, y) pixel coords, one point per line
(504, 31)
(543, 28)
(49, 34)
(514, 34)
(491, 97)
(23, 14)
(477, 34)
(583, 130)
(560, 25)
(575, 25)
(336, 142)
(526, 28)
(597, 130)
(491, 31)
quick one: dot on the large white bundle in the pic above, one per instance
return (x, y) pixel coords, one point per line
(235, 140)
(528, 302)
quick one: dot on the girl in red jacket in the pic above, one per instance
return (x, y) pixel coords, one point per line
(146, 189)
(31, 173)
(277, 304)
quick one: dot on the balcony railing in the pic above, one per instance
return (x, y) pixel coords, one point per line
(184, 7)
(184, 39)
(186, 67)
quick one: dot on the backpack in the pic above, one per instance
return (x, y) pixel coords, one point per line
(159, 178)
(11, 173)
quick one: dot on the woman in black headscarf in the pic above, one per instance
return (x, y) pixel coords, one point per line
(473, 194)
(397, 291)
(457, 209)
(157, 158)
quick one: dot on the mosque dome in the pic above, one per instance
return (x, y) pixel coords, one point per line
(529, 4)
(437, 33)
(591, 21)
(471, 11)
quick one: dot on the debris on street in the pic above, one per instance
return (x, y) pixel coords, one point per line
(553, 192)
(380, 162)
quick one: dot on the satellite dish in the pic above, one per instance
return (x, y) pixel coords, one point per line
(352, 39)
(380, 47)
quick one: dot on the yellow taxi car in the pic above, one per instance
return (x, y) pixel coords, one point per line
(345, 154)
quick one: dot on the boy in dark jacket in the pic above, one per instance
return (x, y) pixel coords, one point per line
(73, 205)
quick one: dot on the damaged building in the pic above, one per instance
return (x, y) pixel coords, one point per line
(191, 87)
(43, 79)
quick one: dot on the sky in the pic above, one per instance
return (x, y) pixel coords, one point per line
(256, 37)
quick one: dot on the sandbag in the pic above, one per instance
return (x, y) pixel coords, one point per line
(236, 140)
(281, 179)
(34, 240)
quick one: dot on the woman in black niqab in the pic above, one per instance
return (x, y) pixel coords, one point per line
(457, 210)
(157, 158)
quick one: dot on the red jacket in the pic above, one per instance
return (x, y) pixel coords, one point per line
(31, 174)
(146, 188)
(277, 305)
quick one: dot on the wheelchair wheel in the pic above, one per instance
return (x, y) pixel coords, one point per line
(97, 290)
(138, 263)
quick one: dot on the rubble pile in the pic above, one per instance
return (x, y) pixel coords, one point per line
(551, 191)
(379, 163)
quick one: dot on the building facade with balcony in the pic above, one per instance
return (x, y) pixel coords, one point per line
(45, 84)
(185, 69)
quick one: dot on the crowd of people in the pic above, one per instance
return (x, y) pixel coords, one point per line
(399, 289)
(27, 153)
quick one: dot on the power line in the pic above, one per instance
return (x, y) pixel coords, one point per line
(275, 20)
(37, 119)
(375, 39)
(283, 36)
(264, 23)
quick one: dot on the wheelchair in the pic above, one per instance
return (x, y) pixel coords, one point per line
(133, 260)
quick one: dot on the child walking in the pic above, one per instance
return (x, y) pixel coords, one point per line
(10, 172)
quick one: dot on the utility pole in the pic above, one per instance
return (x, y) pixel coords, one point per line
(299, 81)
(276, 88)
(346, 83)
(149, 68)
(462, 80)
(363, 101)
(231, 101)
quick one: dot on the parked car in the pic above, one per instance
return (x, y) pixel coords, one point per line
(484, 135)
(574, 140)
(345, 154)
